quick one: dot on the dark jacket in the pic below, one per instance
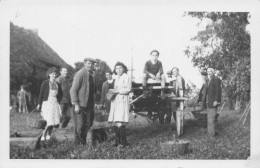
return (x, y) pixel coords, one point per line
(203, 93)
(219, 83)
(79, 92)
(213, 91)
(65, 87)
(44, 92)
(105, 89)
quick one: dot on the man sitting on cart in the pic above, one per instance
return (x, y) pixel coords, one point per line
(153, 69)
(178, 90)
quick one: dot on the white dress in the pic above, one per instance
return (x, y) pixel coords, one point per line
(51, 111)
(119, 110)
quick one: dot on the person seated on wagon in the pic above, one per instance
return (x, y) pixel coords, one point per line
(153, 69)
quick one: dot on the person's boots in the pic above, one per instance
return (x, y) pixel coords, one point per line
(145, 92)
(123, 136)
(117, 136)
(162, 93)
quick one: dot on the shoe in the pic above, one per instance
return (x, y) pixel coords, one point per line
(48, 137)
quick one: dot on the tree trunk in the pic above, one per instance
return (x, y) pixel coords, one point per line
(238, 104)
(231, 105)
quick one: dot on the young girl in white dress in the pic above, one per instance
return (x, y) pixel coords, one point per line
(49, 98)
(119, 110)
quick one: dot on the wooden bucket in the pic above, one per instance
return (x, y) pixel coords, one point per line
(179, 147)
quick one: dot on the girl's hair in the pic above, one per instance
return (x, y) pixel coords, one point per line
(51, 70)
(122, 65)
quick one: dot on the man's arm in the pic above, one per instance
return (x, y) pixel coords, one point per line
(75, 88)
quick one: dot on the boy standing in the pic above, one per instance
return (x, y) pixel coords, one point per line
(153, 69)
(109, 84)
(65, 103)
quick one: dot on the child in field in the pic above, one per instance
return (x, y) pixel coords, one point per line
(153, 69)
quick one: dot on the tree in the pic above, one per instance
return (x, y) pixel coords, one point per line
(225, 46)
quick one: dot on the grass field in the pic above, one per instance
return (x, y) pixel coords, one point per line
(232, 142)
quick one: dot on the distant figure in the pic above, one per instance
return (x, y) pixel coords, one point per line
(82, 97)
(153, 69)
(65, 102)
(203, 91)
(48, 103)
(21, 95)
(178, 90)
(119, 111)
(109, 84)
(213, 94)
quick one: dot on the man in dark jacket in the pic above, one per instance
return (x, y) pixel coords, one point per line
(65, 103)
(213, 94)
(82, 97)
(109, 84)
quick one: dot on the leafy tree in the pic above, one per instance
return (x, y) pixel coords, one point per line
(225, 46)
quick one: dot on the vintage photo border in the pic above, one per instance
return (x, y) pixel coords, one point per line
(252, 6)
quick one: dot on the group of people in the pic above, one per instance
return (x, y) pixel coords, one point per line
(54, 101)
(57, 97)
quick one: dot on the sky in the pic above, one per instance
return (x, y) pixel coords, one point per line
(114, 33)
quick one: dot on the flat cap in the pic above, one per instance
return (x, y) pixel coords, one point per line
(90, 59)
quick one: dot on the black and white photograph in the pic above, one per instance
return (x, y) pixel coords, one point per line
(169, 83)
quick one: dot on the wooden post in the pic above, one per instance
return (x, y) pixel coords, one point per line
(179, 115)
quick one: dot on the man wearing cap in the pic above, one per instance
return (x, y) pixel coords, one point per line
(82, 98)
(213, 94)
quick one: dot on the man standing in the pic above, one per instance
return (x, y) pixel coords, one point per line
(213, 94)
(109, 84)
(178, 90)
(82, 97)
(65, 103)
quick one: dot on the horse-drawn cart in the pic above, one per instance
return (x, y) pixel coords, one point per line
(153, 107)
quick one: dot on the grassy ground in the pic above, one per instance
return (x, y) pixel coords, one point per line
(232, 142)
